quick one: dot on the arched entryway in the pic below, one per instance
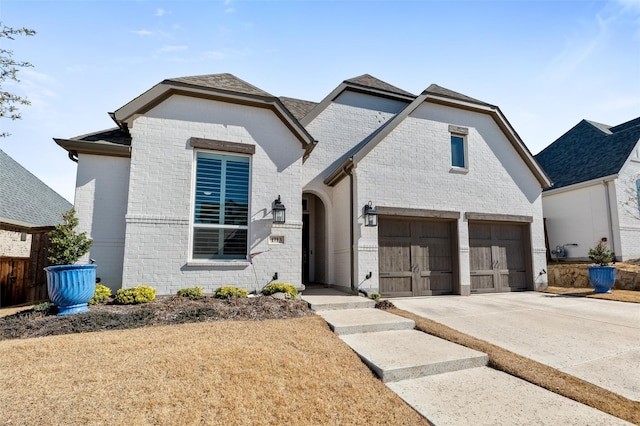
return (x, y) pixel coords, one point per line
(314, 240)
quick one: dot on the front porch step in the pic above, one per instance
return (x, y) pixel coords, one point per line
(409, 354)
(332, 302)
(368, 320)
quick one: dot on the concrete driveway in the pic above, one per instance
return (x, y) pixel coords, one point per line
(595, 340)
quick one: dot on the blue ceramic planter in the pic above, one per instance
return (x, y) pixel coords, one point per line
(602, 278)
(71, 287)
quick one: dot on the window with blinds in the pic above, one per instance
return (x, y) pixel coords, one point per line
(221, 213)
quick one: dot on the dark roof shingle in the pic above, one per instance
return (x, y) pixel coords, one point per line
(297, 107)
(367, 80)
(227, 82)
(26, 199)
(434, 89)
(588, 151)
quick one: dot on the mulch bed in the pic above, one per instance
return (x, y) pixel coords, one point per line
(164, 310)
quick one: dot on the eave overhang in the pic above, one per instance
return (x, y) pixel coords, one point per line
(160, 92)
(76, 147)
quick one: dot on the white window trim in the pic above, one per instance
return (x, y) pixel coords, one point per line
(465, 150)
(216, 262)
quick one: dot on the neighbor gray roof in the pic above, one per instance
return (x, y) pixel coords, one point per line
(298, 107)
(25, 199)
(227, 82)
(367, 80)
(589, 151)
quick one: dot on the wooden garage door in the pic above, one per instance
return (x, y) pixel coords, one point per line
(415, 257)
(498, 257)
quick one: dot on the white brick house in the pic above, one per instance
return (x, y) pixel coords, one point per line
(182, 192)
(595, 170)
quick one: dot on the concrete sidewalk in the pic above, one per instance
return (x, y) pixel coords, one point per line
(595, 340)
(447, 383)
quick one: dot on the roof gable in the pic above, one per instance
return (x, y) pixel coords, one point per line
(587, 152)
(220, 87)
(366, 84)
(440, 95)
(26, 200)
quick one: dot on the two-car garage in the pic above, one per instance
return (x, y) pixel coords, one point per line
(419, 256)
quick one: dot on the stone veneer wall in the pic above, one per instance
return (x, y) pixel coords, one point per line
(577, 275)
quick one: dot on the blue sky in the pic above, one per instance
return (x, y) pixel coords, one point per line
(546, 64)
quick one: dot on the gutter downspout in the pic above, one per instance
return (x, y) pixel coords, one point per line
(609, 215)
(349, 171)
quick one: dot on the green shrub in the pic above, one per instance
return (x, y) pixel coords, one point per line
(132, 296)
(192, 293)
(228, 292)
(280, 288)
(601, 254)
(375, 296)
(44, 308)
(102, 294)
(67, 245)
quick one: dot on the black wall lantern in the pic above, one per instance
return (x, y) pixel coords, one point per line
(279, 211)
(370, 215)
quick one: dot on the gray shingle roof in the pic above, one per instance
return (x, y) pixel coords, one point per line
(297, 107)
(227, 82)
(367, 80)
(434, 89)
(115, 136)
(589, 151)
(25, 198)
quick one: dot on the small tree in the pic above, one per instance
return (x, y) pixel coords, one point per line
(601, 255)
(67, 245)
(9, 68)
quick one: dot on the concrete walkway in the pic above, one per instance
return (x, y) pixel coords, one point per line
(447, 383)
(595, 340)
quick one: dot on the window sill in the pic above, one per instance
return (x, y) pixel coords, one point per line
(219, 263)
(460, 170)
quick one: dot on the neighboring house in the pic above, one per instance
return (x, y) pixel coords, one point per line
(26, 203)
(28, 211)
(595, 169)
(184, 191)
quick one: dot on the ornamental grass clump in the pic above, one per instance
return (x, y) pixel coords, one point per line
(101, 295)
(136, 295)
(273, 288)
(230, 292)
(67, 245)
(601, 255)
(192, 293)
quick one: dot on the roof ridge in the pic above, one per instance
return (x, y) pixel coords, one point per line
(435, 89)
(369, 81)
(222, 81)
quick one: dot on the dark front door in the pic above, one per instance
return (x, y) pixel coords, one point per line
(305, 248)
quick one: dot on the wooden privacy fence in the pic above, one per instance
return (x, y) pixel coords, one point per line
(23, 279)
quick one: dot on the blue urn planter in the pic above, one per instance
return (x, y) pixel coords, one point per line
(602, 278)
(71, 287)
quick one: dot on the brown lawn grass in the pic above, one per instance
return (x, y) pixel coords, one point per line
(272, 372)
(617, 295)
(535, 372)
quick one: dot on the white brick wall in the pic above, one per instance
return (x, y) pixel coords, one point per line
(101, 203)
(160, 196)
(12, 246)
(411, 168)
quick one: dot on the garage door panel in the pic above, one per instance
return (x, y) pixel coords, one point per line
(498, 261)
(410, 252)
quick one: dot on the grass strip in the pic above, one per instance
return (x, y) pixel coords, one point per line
(534, 372)
(630, 296)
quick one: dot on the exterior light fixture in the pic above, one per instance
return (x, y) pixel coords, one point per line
(279, 211)
(370, 215)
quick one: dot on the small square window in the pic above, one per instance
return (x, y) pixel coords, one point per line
(458, 152)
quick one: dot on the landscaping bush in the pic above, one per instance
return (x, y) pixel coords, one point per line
(272, 288)
(132, 296)
(375, 297)
(192, 293)
(229, 292)
(102, 294)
